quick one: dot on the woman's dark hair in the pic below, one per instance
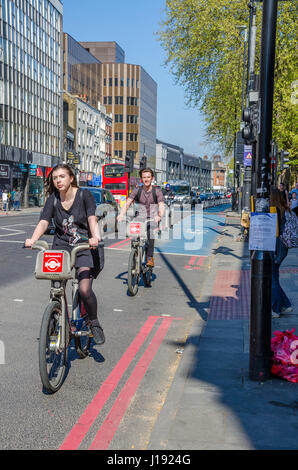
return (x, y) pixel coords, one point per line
(147, 170)
(277, 200)
(49, 185)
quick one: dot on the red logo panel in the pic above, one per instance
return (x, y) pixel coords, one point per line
(135, 228)
(52, 262)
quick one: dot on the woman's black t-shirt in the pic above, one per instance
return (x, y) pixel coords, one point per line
(72, 226)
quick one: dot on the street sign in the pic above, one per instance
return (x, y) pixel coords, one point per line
(247, 159)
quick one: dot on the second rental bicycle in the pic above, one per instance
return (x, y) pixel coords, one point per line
(137, 262)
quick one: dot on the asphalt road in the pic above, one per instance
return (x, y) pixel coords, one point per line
(111, 399)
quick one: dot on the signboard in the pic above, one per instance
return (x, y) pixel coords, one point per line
(4, 171)
(135, 228)
(122, 201)
(262, 232)
(52, 262)
(83, 176)
(247, 159)
(96, 180)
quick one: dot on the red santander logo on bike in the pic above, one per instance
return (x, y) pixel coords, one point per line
(52, 262)
(135, 228)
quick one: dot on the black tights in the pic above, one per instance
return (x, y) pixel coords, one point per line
(86, 293)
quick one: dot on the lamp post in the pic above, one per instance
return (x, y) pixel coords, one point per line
(261, 265)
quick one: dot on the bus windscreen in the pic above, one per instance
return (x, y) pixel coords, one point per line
(180, 189)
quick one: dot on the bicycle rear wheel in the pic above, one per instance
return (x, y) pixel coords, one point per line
(52, 354)
(133, 274)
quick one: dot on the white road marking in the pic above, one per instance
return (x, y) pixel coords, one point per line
(11, 241)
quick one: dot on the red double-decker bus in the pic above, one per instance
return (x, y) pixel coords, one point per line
(115, 179)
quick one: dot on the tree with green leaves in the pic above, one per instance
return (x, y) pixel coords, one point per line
(205, 52)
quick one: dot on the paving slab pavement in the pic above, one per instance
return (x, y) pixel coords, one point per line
(212, 403)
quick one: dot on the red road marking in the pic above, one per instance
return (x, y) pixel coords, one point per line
(110, 425)
(122, 242)
(80, 429)
(199, 262)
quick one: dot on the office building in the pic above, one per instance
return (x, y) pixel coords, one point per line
(81, 71)
(130, 94)
(105, 51)
(30, 93)
(86, 136)
(172, 163)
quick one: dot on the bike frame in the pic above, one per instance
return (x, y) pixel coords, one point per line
(58, 292)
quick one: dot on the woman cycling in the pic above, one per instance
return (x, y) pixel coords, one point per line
(73, 211)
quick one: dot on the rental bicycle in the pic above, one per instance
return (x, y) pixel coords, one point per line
(137, 266)
(58, 326)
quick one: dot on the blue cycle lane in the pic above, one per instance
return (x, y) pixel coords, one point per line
(194, 234)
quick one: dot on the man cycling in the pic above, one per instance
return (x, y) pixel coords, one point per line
(152, 201)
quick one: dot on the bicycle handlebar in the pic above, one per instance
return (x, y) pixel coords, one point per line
(146, 221)
(42, 245)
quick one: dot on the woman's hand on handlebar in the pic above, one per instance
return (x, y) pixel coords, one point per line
(29, 242)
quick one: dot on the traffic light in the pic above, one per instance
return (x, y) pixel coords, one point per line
(129, 162)
(143, 162)
(251, 118)
(283, 160)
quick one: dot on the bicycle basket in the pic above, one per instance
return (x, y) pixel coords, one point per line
(136, 229)
(53, 264)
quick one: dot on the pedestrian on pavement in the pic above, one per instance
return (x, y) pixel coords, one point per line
(5, 201)
(73, 211)
(295, 190)
(279, 301)
(284, 193)
(294, 201)
(16, 200)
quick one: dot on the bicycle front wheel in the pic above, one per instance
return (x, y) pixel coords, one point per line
(133, 273)
(52, 353)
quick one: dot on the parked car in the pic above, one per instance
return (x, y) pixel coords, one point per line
(210, 196)
(106, 210)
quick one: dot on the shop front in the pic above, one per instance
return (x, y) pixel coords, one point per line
(19, 176)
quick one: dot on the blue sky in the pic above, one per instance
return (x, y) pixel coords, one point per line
(133, 25)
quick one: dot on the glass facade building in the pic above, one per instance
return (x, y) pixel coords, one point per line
(81, 72)
(30, 85)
